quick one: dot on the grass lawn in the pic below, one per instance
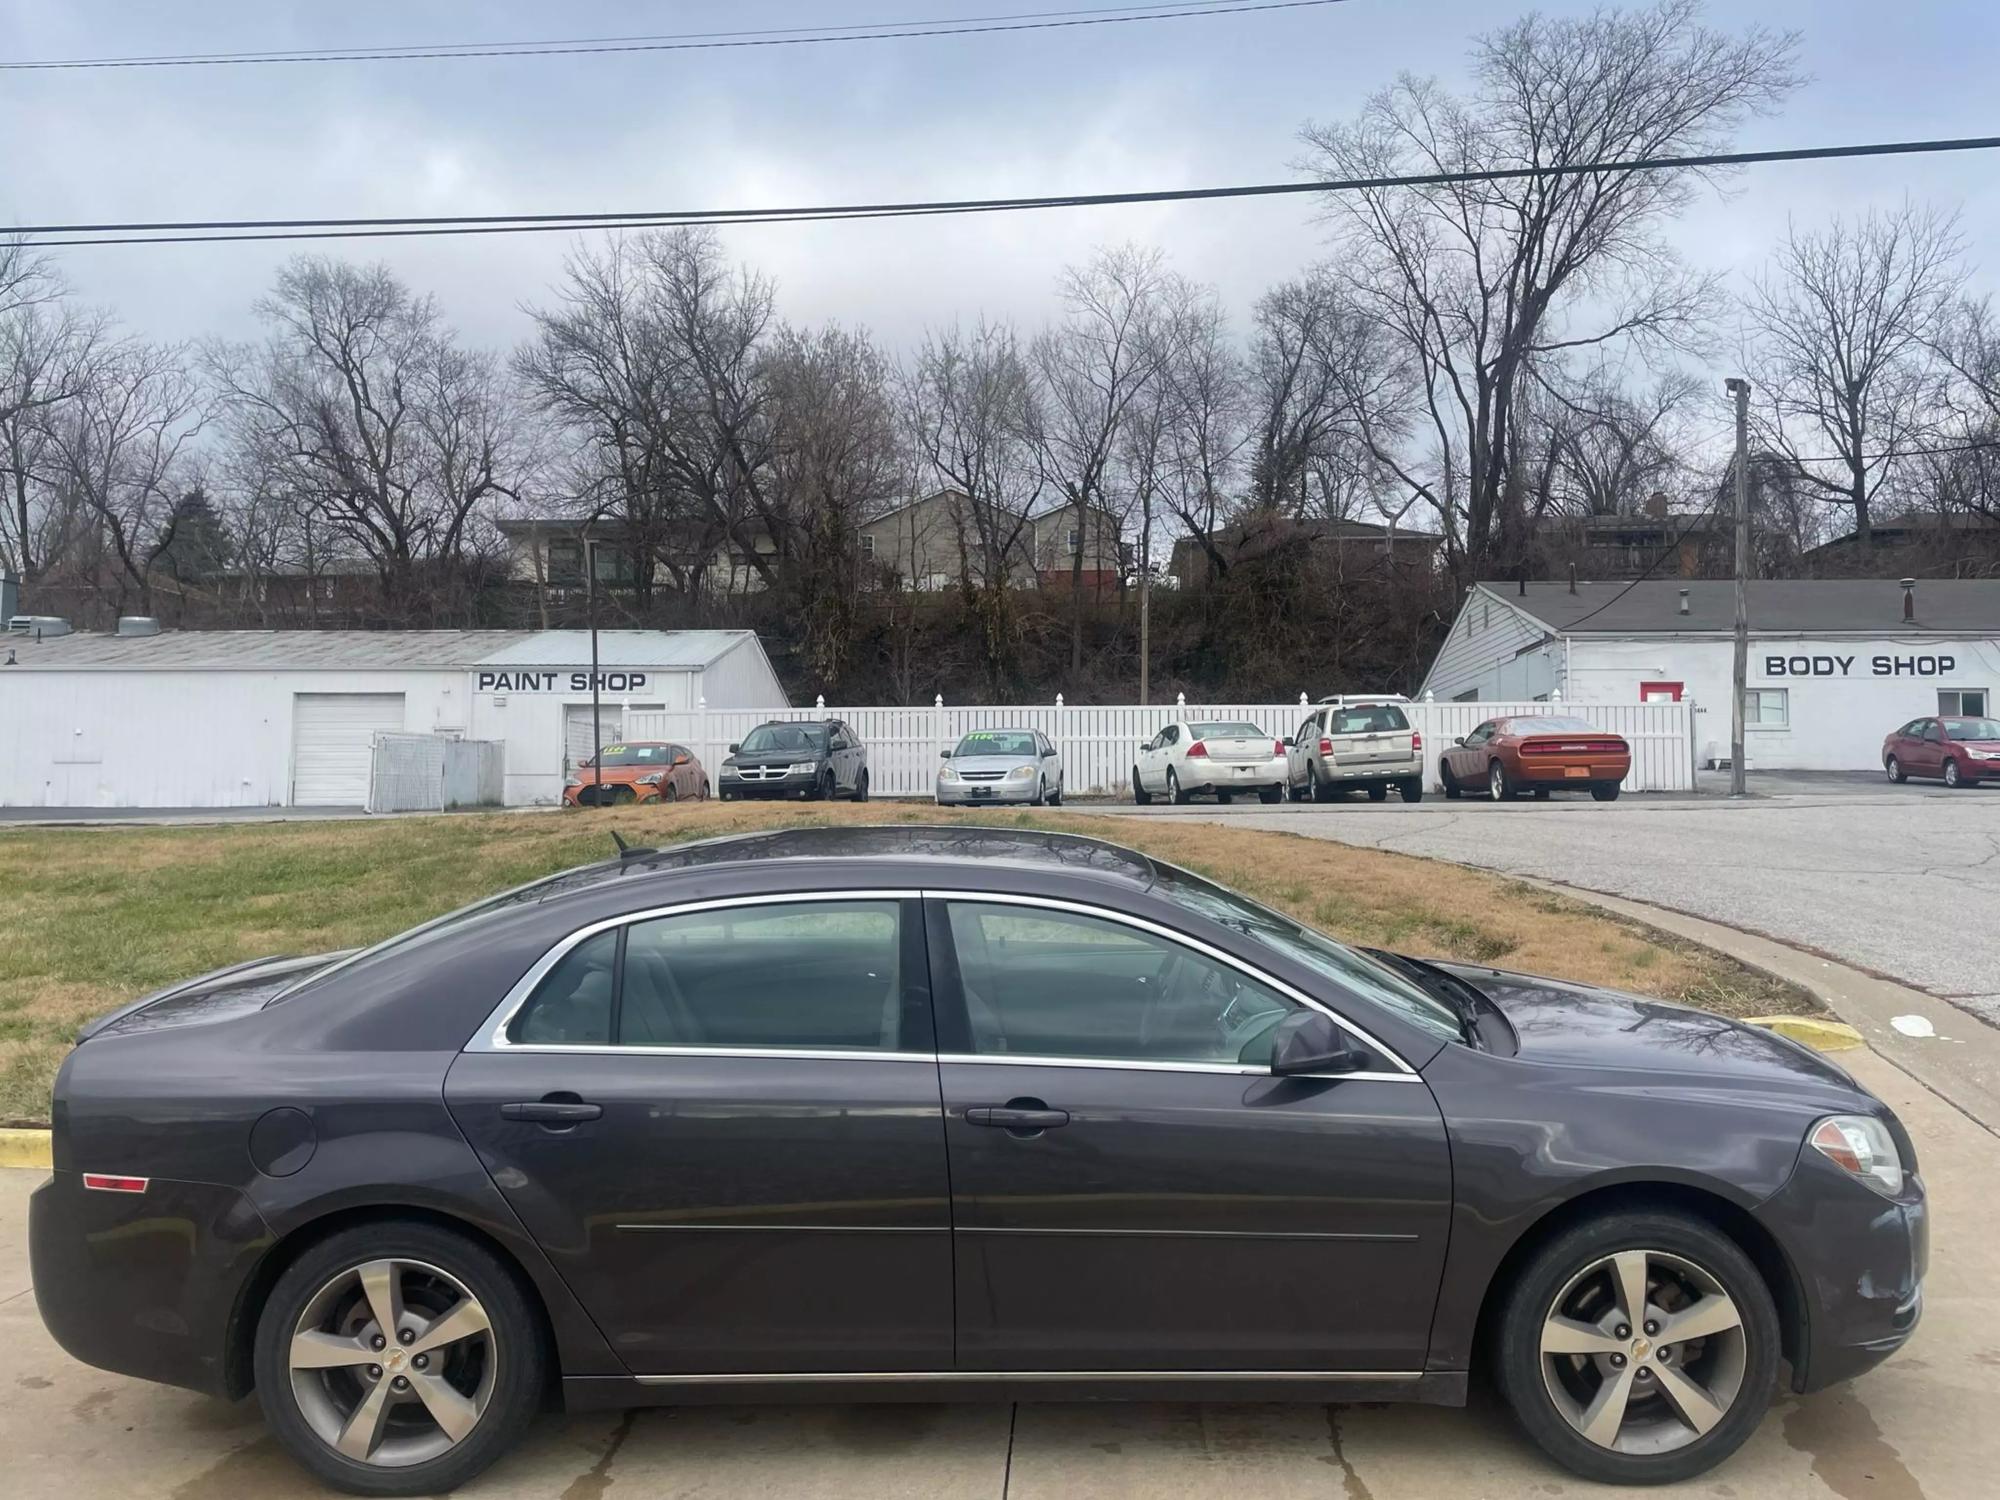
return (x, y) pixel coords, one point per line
(94, 917)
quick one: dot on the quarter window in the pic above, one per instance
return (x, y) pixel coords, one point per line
(1042, 983)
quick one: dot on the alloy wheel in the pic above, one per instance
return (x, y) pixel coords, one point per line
(1894, 767)
(1643, 1352)
(1496, 781)
(393, 1362)
(1951, 773)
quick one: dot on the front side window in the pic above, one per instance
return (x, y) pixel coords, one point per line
(1931, 735)
(1043, 983)
(811, 975)
(571, 1007)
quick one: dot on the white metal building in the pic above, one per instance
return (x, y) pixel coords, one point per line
(243, 718)
(1835, 664)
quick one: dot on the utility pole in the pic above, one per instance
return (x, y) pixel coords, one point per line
(1740, 389)
(1146, 601)
(596, 709)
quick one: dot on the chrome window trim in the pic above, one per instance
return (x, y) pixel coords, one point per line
(492, 1033)
(1402, 1070)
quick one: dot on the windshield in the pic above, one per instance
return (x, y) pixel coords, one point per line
(1354, 972)
(637, 755)
(1228, 731)
(772, 739)
(1368, 720)
(997, 742)
(1972, 729)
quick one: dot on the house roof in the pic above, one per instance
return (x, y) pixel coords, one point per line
(1901, 528)
(367, 650)
(1777, 606)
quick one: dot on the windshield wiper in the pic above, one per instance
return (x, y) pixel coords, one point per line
(1455, 994)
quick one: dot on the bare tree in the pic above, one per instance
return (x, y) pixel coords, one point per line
(1844, 326)
(1479, 280)
(1207, 404)
(362, 406)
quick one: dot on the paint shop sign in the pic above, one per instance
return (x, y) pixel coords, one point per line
(1859, 666)
(560, 682)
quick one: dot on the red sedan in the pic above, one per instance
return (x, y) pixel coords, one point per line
(1537, 754)
(1957, 750)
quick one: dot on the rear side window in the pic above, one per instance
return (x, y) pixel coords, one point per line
(1375, 719)
(813, 975)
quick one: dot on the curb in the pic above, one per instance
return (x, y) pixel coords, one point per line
(26, 1148)
(1821, 1036)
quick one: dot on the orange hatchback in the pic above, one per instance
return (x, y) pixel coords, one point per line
(1504, 757)
(638, 771)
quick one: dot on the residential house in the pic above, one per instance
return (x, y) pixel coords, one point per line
(1653, 542)
(1339, 547)
(1922, 544)
(926, 543)
(547, 552)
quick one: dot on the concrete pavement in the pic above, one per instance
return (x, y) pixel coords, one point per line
(1920, 1428)
(1900, 881)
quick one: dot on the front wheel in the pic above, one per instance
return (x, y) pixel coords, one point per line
(1450, 784)
(398, 1358)
(1638, 1348)
(1412, 789)
(1952, 778)
(1605, 791)
(1179, 794)
(1055, 797)
(1895, 769)
(1139, 793)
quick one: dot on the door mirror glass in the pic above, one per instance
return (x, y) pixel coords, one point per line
(1459, 741)
(680, 760)
(1288, 742)
(1048, 752)
(734, 748)
(944, 755)
(1309, 1042)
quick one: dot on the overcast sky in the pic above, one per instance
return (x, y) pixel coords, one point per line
(1194, 101)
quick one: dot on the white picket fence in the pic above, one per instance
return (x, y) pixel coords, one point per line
(1099, 742)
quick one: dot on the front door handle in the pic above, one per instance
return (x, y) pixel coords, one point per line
(1017, 1116)
(556, 1113)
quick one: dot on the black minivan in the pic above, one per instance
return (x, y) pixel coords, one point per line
(817, 759)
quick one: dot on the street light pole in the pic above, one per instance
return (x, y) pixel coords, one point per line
(1740, 389)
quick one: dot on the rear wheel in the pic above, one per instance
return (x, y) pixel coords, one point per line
(861, 788)
(1499, 785)
(398, 1359)
(1180, 795)
(1139, 793)
(1448, 782)
(1639, 1348)
(1378, 791)
(1412, 789)
(1271, 794)
(704, 789)
(1225, 798)
(1895, 769)
(1605, 791)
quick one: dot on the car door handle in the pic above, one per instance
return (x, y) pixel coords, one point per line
(556, 1113)
(1009, 1117)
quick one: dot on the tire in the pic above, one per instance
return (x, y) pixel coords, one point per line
(1452, 791)
(861, 786)
(1225, 798)
(1605, 791)
(505, 1366)
(728, 797)
(706, 790)
(1041, 797)
(1177, 793)
(1412, 788)
(624, 796)
(1378, 791)
(1055, 797)
(1895, 769)
(672, 793)
(1270, 794)
(1139, 794)
(1683, 1260)
(824, 789)
(1499, 785)
(1952, 778)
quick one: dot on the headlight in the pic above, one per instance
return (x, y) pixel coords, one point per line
(947, 774)
(802, 768)
(1020, 773)
(653, 780)
(1860, 1144)
(729, 769)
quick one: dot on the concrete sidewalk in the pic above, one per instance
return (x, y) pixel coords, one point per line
(1920, 1428)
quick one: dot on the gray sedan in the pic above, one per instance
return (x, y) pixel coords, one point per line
(1001, 765)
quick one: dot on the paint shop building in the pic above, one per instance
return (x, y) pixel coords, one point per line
(1835, 664)
(261, 718)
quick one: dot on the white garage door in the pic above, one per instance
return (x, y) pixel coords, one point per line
(333, 735)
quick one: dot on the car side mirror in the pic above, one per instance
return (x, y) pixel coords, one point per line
(1459, 741)
(1289, 743)
(1309, 1042)
(944, 755)
(1046, 754)
(734, 748)
(680, 760)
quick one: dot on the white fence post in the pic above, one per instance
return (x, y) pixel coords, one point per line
(820, 703)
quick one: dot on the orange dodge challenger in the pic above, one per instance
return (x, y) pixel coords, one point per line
(1504, 757)
(638, 771)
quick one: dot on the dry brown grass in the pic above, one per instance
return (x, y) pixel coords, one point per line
(93, 917)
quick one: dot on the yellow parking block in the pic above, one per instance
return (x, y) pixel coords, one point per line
(1821, 1036)
(25, 1148)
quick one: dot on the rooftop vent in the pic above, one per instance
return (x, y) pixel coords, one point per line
(38, 626)
(138, 625)
(1684, 600)
(1909, 598)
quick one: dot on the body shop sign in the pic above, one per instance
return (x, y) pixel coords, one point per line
(1859, 666)
(560, 682)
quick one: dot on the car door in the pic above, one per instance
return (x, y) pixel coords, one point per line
(1927, 753)
(1129, 1193)
(857, 756)
(1052, 766)
(1468, 761)
(722, 1123)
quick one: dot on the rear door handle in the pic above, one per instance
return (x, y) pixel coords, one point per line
(555, 1113)
(1008, 1117)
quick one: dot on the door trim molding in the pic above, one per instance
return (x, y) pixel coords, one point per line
(1017, 1377)
(1187, 1234)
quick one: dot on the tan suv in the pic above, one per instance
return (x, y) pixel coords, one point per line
(1355, 742)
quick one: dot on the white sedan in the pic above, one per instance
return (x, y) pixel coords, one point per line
(1220, 756)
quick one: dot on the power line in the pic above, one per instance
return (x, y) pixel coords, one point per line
(697, 41)
(1977, 445)
(197, 231)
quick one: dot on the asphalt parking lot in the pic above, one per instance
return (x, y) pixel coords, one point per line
(1919, 1428)
(1902, 881)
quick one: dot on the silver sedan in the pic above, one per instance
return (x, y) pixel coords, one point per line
(1001, 765)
